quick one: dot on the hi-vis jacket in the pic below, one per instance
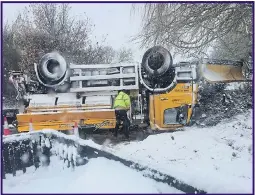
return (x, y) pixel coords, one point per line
(122, 102)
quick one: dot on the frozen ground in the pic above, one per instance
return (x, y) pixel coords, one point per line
(216, 159)
(98, 176)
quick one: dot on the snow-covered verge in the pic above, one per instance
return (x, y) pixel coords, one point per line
(216, 159)
(98, 176)
(72, 152)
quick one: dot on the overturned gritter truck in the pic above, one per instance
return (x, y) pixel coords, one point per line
(164, 95)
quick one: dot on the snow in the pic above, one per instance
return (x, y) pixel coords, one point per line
(47, 142)
(16, 137)
(22, 136)
(98, 176)
(234, 86)
(91, 100)
(216, 159)
(76, 111)
(11, 126)
(90, 107)
(66, 99)
(25, 158)
(43, 99)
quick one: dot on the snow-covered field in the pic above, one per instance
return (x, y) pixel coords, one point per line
(216, 159)
(98, 176)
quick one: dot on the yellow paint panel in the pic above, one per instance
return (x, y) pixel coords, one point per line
(66, 120)
(182, 94)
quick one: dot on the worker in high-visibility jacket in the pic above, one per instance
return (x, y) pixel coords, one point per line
(122, 105)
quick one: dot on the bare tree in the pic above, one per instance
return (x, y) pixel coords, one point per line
(191, 28)
(102, 54)
(94, 54)
(11, 58)
(124, 55)
(11, 54)
(47, 27)
(233, 46)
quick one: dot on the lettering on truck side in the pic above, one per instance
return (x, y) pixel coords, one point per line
(65, 125)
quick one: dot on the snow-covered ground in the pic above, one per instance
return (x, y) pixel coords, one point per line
(216, 159)
(98, 176)
(234, 86)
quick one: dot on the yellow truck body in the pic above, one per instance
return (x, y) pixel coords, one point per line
(63, 118)
(182, 94)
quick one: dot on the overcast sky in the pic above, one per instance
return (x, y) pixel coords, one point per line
(114, 20)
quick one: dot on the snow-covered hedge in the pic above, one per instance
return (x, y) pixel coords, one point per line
(219, 101)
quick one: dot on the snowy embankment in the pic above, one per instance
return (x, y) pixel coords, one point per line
(98, 176)
(216, 159)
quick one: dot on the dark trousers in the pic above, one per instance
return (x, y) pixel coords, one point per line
(121, 116)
